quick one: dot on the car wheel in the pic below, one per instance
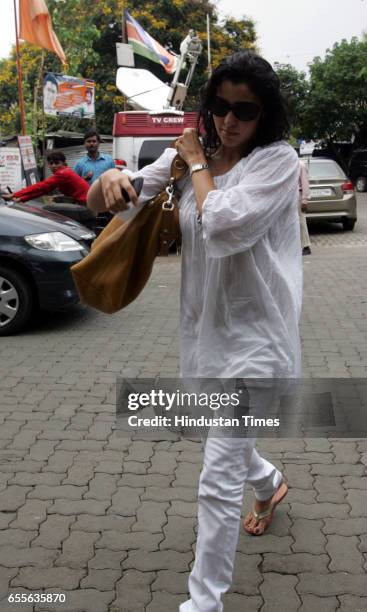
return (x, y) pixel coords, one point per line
(361, 183)
(348, 224)
(16, 301)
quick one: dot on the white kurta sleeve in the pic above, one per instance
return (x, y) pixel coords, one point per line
(234, 219)
(156, 175)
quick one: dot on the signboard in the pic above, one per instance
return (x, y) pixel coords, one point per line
(125, 55)
(28, 159)
(68, 96)
(10, 169)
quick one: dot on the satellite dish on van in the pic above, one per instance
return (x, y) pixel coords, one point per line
(142, 89)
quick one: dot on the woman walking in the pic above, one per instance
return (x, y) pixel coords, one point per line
(241, 287)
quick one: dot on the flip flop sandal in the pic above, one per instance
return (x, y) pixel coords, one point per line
(278, 496)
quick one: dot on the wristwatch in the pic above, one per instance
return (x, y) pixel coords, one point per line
(198, 167)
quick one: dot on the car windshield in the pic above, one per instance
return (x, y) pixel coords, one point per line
(325, 169)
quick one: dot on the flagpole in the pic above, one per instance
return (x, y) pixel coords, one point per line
(20, 85)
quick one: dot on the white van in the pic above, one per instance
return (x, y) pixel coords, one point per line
(140, 137)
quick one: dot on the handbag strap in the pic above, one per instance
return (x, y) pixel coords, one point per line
(170, 229)
(178, 168)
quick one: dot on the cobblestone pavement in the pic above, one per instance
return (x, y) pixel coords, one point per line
(110, 521)
(332, 234)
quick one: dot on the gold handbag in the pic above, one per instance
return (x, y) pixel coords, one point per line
(120, 263)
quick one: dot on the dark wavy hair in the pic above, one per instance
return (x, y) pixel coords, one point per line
(249, 68)
(56, 156)
(90, 133)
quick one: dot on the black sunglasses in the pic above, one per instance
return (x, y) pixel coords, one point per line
(243, 111)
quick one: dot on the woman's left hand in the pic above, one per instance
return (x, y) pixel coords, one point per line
(189, 147)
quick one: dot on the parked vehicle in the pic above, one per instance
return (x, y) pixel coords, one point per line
(332, 196)
(140, 137)
(66, 207)
(357, 169)
(78, 212)
(37, 249)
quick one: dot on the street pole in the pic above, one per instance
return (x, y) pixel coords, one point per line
(36, 97)
(20, 85)
(124, 39)
(208, 44)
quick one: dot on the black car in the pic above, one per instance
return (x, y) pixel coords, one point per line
(78, 212)
(37, 249)
(357, 169)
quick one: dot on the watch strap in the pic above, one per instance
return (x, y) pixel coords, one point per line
(198, 167)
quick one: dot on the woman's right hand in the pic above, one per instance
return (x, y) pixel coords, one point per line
(112, 182)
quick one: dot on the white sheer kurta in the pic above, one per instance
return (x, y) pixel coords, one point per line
(241, 287)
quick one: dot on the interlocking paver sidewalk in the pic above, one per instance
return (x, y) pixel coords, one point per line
(111, 521)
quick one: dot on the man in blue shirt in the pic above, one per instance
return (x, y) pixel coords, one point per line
(92, 165)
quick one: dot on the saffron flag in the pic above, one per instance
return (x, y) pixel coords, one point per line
(36, 26)
(143, 44)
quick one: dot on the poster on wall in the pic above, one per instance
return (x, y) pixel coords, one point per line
(10, 169)
(28, 159)
(68, 96)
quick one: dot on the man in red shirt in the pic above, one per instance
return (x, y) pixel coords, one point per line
(63, 178)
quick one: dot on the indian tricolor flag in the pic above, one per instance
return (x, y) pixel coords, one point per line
(143, 44)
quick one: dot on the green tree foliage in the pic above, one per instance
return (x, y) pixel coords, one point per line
(8, 97)
(294, 86)
(89, 30)
(76, 31)
(9, 110)
(336, 106)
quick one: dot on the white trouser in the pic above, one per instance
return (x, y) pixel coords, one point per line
(305, 237)
(228, 464)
